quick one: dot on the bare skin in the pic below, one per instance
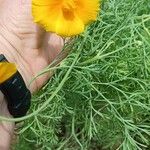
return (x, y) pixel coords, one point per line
(29, 47)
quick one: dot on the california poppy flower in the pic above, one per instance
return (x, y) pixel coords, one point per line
(64, 17)
(6, 71)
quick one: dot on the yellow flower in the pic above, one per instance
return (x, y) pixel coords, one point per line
(6, 71)
(64, 17)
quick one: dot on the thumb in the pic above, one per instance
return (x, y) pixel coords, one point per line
(53, 45)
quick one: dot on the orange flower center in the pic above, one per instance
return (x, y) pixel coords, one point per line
(68, 8)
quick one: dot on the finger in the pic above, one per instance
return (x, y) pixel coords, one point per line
(53, 45)
(31, 34)
(1, 2)
(16, 17)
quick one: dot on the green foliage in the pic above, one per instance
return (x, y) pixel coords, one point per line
(99, 97)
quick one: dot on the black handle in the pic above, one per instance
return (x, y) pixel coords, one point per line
(17, 95)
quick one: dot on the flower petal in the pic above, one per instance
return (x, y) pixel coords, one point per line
(62, 23)
(66, 26)
(45, 16)
(87, 10)
(64, 17)
(41, 2)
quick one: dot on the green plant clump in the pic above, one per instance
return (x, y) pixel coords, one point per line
(99, 97)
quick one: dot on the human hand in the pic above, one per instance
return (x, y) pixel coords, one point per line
(28, 46)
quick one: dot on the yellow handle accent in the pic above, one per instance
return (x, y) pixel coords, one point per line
(6, 71)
